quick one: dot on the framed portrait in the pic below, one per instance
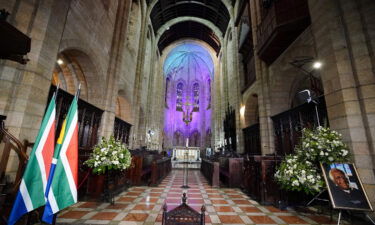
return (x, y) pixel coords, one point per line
(345, 187)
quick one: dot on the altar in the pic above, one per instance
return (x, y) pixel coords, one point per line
(190, 154)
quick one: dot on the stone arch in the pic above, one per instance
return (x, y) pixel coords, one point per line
(149, 34)
(208, 47)
(174, 21)
(228, 36)
(195, 138)
(89, 70)
(68, 44)
(65, 76)
(178, 138)
(208, 137)
(227, 3)
(68, 73)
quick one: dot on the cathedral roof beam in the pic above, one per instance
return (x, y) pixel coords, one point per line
(214, 11)
(189, 29)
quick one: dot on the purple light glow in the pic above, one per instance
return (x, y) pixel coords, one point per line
(189, 71)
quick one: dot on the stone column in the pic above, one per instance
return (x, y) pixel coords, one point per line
(24, 88)
(114, 67)
(344, 48)
(138, 83)
(262, 79)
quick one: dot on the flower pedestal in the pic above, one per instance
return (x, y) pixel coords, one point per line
(96, 185)
(109, 158)
(109, 186)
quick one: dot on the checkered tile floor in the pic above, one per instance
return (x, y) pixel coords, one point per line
(143, 205)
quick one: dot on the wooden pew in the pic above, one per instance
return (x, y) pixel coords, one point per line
(271, 192)
(160, 169)
(259, 181)
(148, 167)
(252, 176)
(231, 170)
(210, 170)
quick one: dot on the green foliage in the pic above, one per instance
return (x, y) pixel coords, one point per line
(109, 155)
(301, 171)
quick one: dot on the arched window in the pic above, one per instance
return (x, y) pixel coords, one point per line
(208, 93)
(167, 83)
(180, 90)
(196, 97)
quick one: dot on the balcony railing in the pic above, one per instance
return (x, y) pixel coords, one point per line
(249, 73)
(282, 22)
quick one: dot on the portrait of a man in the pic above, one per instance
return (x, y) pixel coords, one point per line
(344, 186)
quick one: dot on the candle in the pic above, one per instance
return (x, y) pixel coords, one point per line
(187, 142)
(230, 141)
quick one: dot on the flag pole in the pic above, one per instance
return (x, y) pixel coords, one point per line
(55, 96)
(57, 90)
(78, 91)
(54, 218)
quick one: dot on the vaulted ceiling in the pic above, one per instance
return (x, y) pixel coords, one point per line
(213, 11)
(189, 29)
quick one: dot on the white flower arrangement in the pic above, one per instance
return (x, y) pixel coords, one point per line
(109, 155)
(301, 171)
(296, 175)
(322, 145)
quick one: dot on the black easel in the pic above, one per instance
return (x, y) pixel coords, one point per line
(185, 185)
(317, 198)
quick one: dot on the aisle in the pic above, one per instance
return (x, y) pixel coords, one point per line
(143, 205)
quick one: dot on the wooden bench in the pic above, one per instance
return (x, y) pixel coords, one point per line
(160, 169)
(252, 176)
(231, 170)
(210, 170)
(148, 167)
(259, 181)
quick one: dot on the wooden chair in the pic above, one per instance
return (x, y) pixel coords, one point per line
(183, 215)
(8, 189)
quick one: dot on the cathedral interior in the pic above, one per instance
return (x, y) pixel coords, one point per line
(210, 94)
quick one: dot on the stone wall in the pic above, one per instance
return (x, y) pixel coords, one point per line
(340, 36)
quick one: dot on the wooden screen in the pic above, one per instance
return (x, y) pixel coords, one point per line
(289, 124)
(122, 130)
(89, 118)
(251, 136)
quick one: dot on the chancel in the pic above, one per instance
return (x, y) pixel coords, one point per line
(229, 105)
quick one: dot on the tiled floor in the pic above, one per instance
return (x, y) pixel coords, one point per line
(143, 205)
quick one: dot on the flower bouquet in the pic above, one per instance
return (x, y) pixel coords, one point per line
(109, 155)
(301, 171)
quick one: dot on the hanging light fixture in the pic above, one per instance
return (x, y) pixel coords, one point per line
(187, 111)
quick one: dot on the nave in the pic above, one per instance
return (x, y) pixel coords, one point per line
(143, 205)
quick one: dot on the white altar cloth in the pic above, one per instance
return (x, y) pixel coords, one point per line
(186, 154)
